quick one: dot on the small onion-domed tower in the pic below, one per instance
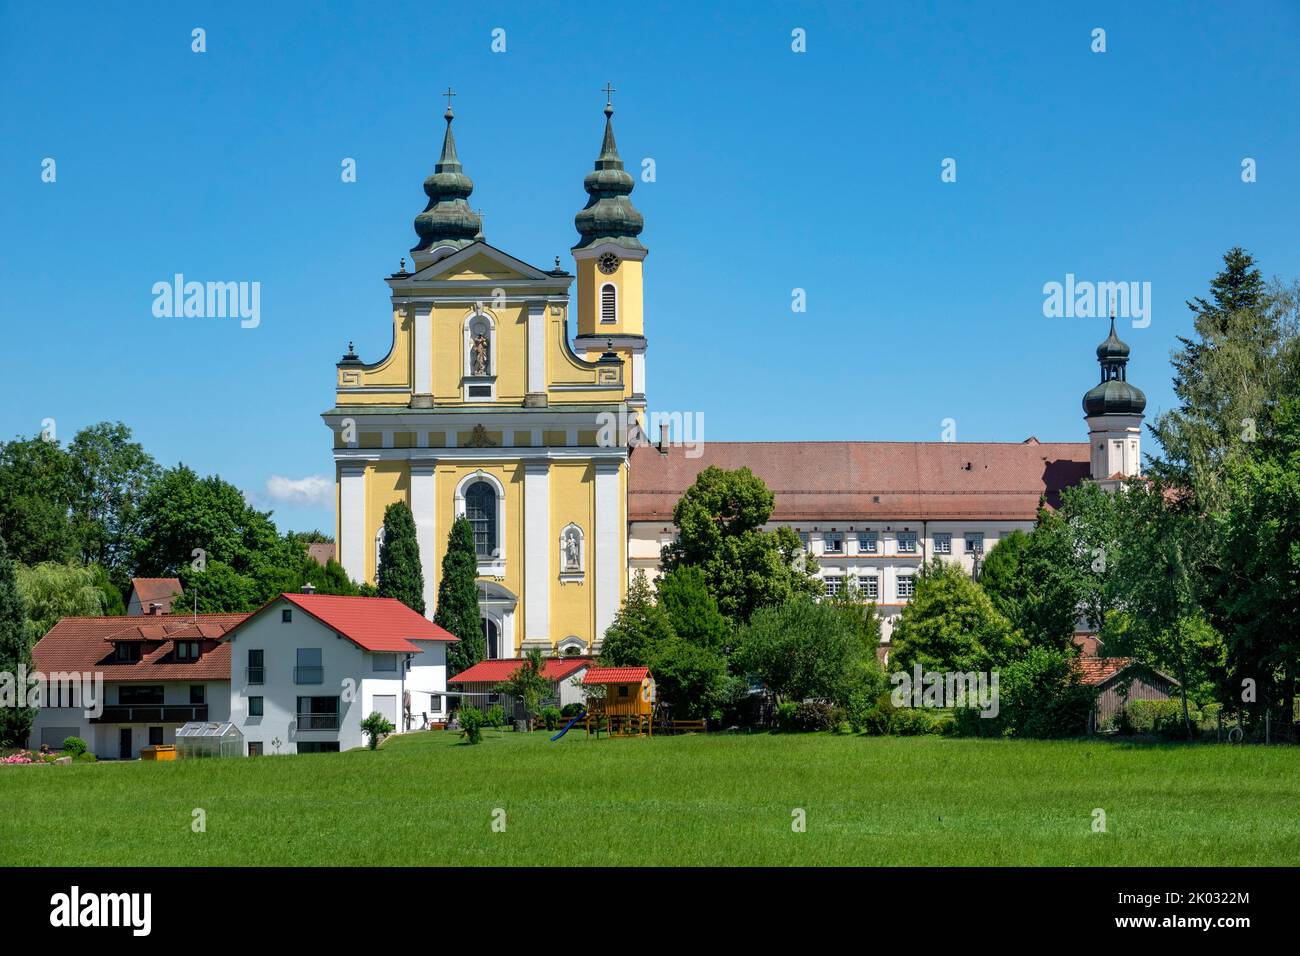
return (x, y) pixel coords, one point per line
(447, 222)
(609, 258)
(1113, 410)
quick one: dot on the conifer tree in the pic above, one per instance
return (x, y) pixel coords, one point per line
(400, 574)
(15, 653)
(457, 609)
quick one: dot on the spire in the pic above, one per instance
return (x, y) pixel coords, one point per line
(609, 215)
(1113, 394)
(447, 219)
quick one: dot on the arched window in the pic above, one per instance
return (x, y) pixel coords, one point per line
(481, 510)
(608, 303)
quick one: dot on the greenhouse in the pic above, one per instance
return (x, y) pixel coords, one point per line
(203, 739)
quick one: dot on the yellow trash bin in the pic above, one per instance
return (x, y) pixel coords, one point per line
(158, 752)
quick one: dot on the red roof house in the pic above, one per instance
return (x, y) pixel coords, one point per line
(147, 592)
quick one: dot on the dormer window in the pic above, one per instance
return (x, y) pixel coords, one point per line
(187, 650)
(608, 303)
(127, 652)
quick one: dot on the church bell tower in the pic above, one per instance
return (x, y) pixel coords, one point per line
(1113, 410)
(609, 259)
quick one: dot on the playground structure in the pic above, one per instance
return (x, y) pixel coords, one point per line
(626, 706)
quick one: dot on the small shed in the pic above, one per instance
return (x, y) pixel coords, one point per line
(206, 739)
(1106, 674)
(628, 690)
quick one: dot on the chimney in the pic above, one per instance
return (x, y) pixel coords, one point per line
(309, 588)
(155, 608)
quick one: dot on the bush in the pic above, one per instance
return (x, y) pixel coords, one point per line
(495, 716)
(86, 757)
(571, 710)
(1039, 696)
(910, 722)
(815, 715)
(1163, 718)
(551, 717)
(375, 726)
(471, 724)
(785, 715)
(74, 746)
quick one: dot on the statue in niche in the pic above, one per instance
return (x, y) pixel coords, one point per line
(478, 354)
(572, 551)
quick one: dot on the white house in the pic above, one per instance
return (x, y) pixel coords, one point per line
(306, 669)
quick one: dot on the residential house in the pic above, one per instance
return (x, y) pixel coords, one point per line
(152, 595)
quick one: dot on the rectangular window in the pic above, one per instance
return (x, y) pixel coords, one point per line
(187, 650)
(309, 669)
(256, 671)
(385, 662)
(943, 543)
(833, 542)
(833, 583)
(318, 713)
(906, 586)
(255, 748)
(622, 690)
(286, 616)
(129, 694)
(975, 542)
(870, 584)
(254, 707)
(318, 746)
(907, 542)
(868, 542)
(155, 736)
(196, 693)
(127, 652)
(803, 537)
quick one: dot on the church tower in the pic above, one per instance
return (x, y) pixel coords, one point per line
(1113, 410)
(609, 259)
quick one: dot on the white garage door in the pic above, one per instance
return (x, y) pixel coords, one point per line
(386, 704)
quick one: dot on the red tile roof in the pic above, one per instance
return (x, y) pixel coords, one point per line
(156, 591)
(83, 644)
(871, 481)
(372, 623)
(496, 671)
(616, 675)
(1098, 670)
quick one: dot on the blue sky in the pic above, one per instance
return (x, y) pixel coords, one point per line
(776, 170)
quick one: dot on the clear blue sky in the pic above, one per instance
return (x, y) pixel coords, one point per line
(775, 170)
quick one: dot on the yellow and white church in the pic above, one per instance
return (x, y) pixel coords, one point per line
(485, 407)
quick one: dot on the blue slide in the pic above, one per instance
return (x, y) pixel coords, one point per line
(568, 726)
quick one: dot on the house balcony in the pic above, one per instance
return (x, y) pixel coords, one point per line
(152, 714)
(318, 721)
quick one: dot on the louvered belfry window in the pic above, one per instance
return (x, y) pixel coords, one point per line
(608, 304)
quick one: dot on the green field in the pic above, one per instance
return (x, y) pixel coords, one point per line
(721, 799)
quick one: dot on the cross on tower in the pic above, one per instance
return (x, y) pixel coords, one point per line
(449, 94)
(609, 92)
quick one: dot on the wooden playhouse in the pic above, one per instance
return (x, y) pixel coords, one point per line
(626, 706)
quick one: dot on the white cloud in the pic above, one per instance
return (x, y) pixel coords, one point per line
(314, 490)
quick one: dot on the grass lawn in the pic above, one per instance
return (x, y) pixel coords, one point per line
(427, 799)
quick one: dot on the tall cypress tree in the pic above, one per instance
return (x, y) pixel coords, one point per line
(15, 652)
(400, 574)
(458, 599)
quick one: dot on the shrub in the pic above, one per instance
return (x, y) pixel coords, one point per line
(814, 715)
(86, 757)
(785, 715)
(471, 724)
(375, 726)
(74, 746)
(910, 722)
(495, 716)
(1163, 718)
(551, 718)
(571, 710)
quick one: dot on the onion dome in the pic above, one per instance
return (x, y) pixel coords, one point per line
(1113, 395)
(609, 215)
(447, 220)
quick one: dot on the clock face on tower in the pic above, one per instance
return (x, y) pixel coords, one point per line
(608, 263)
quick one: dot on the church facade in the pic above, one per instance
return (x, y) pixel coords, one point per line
(486, 407)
